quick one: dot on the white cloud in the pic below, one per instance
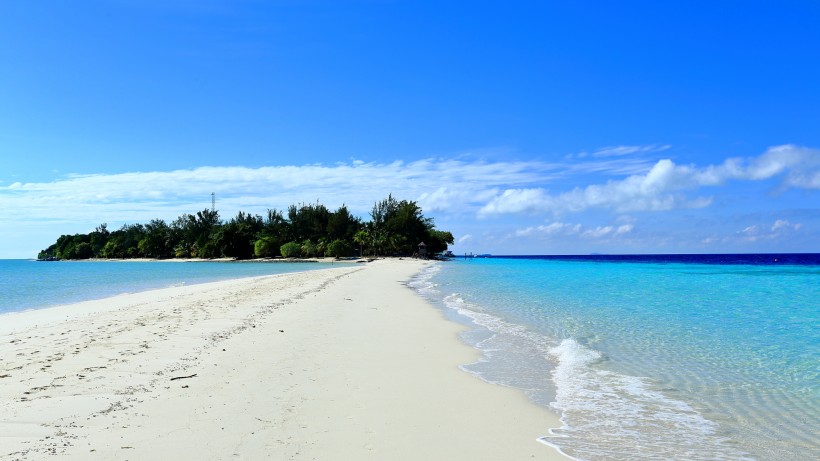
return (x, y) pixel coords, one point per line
(465, 238)
(598, 232)
(518, 201)
(779, 224)
(760, 232)
(555, 228)
(140, 196)
(439, 185)
(624, 229)
(662, 187)
(784, 225)
(629, 150)
(454, 198)
(618, 151)
(481, 188)
(656, 190)
(566, 229)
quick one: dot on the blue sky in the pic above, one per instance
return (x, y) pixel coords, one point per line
(522, 127)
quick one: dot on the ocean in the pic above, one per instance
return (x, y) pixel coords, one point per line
(706, 357)
(28, 284)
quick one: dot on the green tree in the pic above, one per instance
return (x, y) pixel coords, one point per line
(378, 241)
(235, 239)
(308, 222)
(342, 225)
(361, 238)
(48, 253)
(81, 250)
(339, 248)
(437, 241)
(112, 250)
(157, 240)
(309, 248)
(126, 241)
(193, 234)
(291, 250)
(66, 246)
(98, 238)
(396, 227)
(265, 247)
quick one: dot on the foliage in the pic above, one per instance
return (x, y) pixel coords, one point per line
(339, 249)
(265, 247)
(396, 228)
(309, 249)
(437, 241)
(291, 250)
(235, 239)
(361, 238)
(308, 222)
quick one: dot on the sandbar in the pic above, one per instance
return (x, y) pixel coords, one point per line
(340, 363)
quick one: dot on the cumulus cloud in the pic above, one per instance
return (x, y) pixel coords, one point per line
(665, 185)
(657, 190)
(518, 201)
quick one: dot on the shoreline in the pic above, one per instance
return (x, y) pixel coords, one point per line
(338, 363)
(32, 286)
(317, 259)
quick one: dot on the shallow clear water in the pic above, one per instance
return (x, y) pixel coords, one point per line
(650, 360)
(27, 284)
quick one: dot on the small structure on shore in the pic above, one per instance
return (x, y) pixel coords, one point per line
(422, 250)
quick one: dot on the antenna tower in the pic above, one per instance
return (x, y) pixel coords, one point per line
(213, 202)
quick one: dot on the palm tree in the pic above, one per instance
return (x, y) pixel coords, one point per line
(378, 238)
(361, 237)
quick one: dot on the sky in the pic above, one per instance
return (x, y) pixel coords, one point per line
(546, 127)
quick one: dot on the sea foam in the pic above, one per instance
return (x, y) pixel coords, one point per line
(606, 415)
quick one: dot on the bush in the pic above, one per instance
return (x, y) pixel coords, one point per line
(309, 248)
(265, 247)
(339, 249)
(291, 250)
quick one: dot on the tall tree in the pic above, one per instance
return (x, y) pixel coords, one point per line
(342, 225)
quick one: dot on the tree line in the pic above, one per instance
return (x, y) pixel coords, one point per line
(396, 227)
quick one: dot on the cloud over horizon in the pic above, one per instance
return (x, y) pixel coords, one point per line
(484, 188)
(437, 184)
(463, 191)
(662, 187)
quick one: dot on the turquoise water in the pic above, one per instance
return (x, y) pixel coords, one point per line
(26, 284)
(649, 360)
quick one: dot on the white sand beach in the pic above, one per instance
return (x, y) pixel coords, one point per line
(342, 363)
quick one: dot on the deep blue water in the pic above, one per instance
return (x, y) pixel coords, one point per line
(753, 259)
(27, 284)
(689, 357)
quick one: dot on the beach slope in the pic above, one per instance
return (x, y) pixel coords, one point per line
(339, 363)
